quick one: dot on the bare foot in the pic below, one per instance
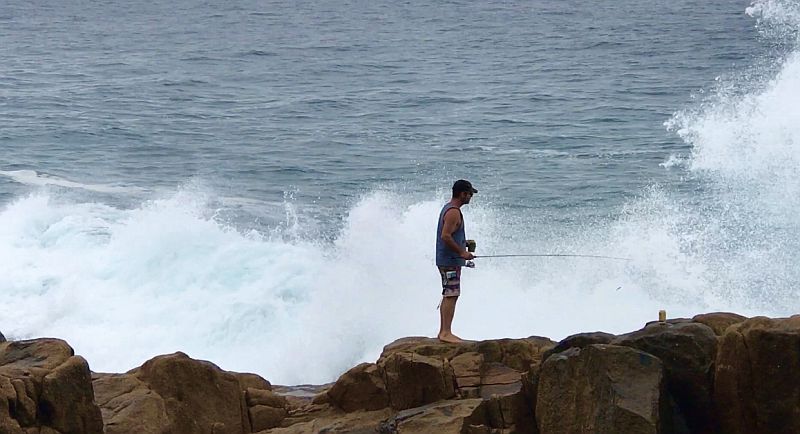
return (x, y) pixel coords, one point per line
(450, 338)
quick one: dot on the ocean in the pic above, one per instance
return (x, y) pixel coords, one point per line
(256, 182)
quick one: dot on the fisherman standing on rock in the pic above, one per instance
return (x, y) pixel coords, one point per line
(452, 254)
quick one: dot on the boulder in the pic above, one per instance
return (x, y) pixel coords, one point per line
(128, 404)
(252, 381)
(264, 417)
(360, 388)
(507, 405)
(44, 387)
(495, 371)
(719, 321)
(266, 408)
(264, 397)
(515, 353)
(757, 388)
(197, 394)
(176, 394)
(687, 351)
(413, 380)
(600, 389)
(67, 400)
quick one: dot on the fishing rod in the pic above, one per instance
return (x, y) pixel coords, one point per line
(558, 255)
(471, 245)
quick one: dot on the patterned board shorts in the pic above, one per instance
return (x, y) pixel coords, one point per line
(451, 281)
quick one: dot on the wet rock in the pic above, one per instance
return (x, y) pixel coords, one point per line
(45, 387)
(173, 393)
(360, 388)
(687, 351)
(128, 403)
(719, 321)
(446, 417)
(580, 340)
(757, 388)
(413, 380)
(602, 389)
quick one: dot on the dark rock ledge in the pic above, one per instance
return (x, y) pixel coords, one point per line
(714, 373)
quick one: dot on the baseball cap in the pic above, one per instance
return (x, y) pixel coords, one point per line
(463, 185)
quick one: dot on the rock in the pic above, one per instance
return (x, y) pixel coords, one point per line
(719, 321)
(413, 380)
(446, 417)
(601, 389)
(44, 387)
(264, 417)
(252, 381)
(67, 400)
(490, 370)
(687, 351)
(580, 340)
(128, 403)
(197, 394)
(757, 388)
(333, 421)
(468, 369)
(176, 394)
(360, 388)
(514, 353)
(264, 397)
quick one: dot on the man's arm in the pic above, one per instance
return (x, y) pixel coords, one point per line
(452, 220)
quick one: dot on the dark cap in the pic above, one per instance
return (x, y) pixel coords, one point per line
(463, 185)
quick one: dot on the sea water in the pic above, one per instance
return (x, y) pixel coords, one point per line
(256, 183)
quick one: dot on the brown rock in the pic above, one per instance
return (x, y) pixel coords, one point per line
(67, 400)
(599, 389)
(687, 351)
(197, 394)
(446, 417)
(173, 394)
(44, 387)
(26, 395)
(128, 404)
(467, 369)
(719, 321)
(757, 386)
(515, 353)
(252, 381)
(264, 397)
(580, 340)
(34, 356)
(413, 380)
(360, 388)
(264, 417)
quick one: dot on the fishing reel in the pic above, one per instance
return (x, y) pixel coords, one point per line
(471, 245)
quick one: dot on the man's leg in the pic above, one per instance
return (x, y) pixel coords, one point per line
(446, 313)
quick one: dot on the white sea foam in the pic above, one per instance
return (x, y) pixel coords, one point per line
(31, 177)
(124, 285)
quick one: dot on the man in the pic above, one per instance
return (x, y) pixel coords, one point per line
(452, 254)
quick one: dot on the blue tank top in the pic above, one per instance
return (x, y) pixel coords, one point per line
(445, 257)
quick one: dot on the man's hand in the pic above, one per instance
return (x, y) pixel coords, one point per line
(467, 255)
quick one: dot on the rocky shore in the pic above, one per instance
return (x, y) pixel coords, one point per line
(714, 373)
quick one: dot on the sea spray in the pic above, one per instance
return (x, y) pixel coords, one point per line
(123, 285)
